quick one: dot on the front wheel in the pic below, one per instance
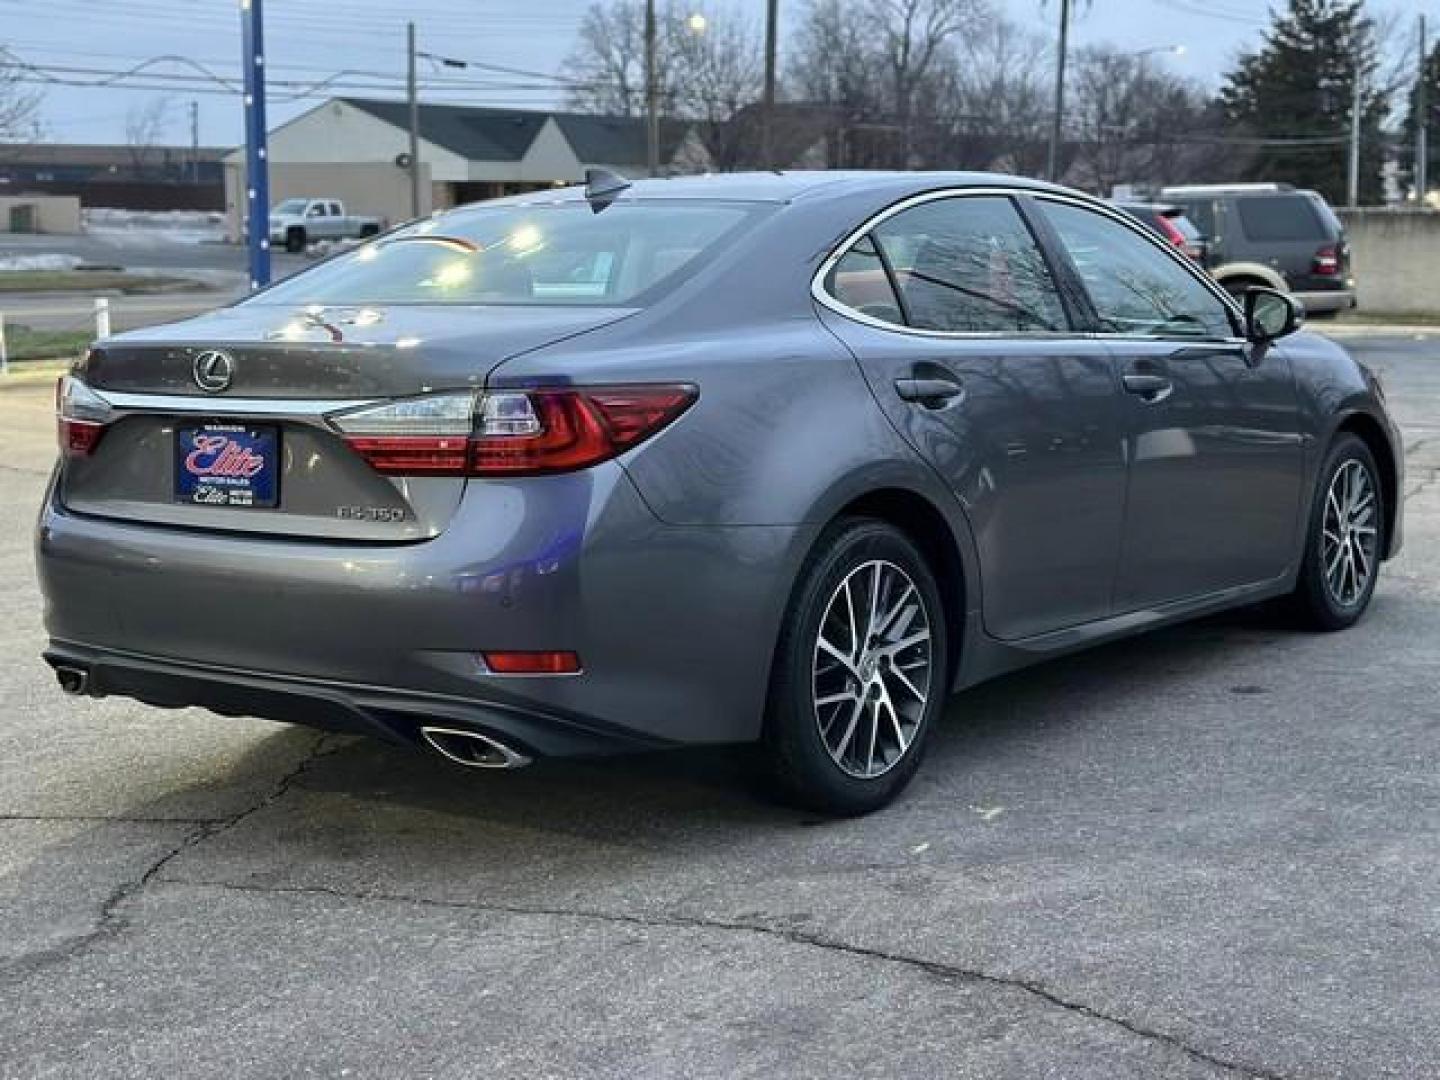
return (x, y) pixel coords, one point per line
(860, 672)
(1345, 539)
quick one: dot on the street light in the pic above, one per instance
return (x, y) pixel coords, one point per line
(1173, 50)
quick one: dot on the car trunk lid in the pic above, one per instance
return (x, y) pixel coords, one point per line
(175, 454)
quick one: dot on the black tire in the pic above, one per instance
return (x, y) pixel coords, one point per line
(1314, 603)
(802, 769)
(295, 240)
(370, 229)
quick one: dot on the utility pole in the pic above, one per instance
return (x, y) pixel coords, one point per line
(194, 142)
(652, 94)
(1352, 187)
(767, 131)
(257, 165)
(413, 95)
(1052, 160)
(1422, 122)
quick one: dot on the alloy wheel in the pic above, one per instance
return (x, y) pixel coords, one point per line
(1350, 542)
(872, 669)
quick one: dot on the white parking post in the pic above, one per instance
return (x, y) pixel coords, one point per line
(4, 352)
(102, 317)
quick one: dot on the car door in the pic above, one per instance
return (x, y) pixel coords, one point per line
(951, 309)
(1211, 422)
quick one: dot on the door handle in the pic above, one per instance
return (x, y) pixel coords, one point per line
(932, 393)
(1153, 388)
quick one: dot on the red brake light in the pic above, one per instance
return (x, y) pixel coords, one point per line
(527, 432)
(1327, 261)
(532, 663)
(1172, 233)
(413, 455)
(571, 428)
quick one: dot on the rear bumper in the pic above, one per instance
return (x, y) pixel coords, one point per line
(1329, 300)
(385, 713)
(675, 626)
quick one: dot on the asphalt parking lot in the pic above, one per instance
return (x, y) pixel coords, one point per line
(1213, 851)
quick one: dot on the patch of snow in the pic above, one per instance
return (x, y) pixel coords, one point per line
(155, 227)
(13, 263)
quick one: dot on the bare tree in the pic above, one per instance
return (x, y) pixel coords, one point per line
(1133, 121)
(996, 97)
(145, 126)
(607, 64)
(19, 104)
(877, 65)
(706, 70)
(915, 37)
(718, 71)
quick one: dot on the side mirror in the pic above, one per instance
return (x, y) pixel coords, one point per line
(1270, 314)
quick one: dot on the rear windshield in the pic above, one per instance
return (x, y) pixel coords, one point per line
(557, 254)
(1281, 217)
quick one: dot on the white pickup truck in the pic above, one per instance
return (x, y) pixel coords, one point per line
(298, 222)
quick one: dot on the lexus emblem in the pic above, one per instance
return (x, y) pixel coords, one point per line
(214, 370)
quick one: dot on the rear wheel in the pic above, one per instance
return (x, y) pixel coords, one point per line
(1344, 544)
(860, 672)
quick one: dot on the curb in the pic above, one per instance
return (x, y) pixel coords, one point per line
(1375, 330)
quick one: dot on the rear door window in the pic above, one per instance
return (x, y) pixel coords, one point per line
(1279, 217)
(1136, 286)
(969, 264)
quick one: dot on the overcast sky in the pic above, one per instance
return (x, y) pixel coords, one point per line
(308, 40)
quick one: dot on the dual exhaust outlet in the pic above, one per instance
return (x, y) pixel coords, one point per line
(467, 748)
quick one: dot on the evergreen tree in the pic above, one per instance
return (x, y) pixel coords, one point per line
(1299, 86)
(1432, 95)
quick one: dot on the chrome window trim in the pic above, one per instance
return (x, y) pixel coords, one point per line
(818, 293)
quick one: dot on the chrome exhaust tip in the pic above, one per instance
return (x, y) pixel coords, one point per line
(73, 680)
(473, 750)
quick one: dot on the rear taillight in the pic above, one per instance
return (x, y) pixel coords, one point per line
(526, 432)
(1327, 262)
(1171, 231)
(81, 417)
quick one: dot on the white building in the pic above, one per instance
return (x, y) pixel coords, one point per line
(355, 150)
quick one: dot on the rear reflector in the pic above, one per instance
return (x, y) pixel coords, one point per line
(532, 663)
(522, 432)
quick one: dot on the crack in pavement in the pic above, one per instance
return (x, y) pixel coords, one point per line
(111, 920)
(117, 819)
(947, 972)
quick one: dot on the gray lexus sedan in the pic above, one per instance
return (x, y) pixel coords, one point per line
(784, 459)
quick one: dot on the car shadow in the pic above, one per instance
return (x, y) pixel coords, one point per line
(664, 791)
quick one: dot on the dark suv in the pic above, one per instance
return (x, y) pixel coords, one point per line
(1273, 235)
